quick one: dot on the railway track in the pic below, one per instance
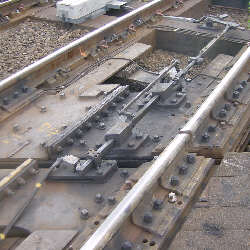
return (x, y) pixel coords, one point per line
(100, 152)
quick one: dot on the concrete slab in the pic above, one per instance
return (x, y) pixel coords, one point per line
(228, 218)
(234, 164)
(108, 69)
(217, 65)
(212, 238)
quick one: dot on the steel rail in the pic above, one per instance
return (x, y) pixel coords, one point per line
(7, 82)
(112, 223)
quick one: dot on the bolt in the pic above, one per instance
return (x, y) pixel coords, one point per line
(21, 181)
(205, 137)
(173, 100)
(97, 118)
(188, 105)
(157, 204)
(33, 171)
(174, 181)
(88, 126)
(16, 128)
(124, 173)
(43, 109)
(79, 133)
(126, 94)
(64, 127)
(119, 99)
(70, 141)
(102, 126)
(190, 159)
(126, 245)
(148, 218)
(172, 197)
(62, 95)
(99, 172)
(105, 114)
(138, 136)
(140, 105)
(179, 94)
(222, 113)
(209, 24)
(112, 105)
(236, 94)
(222, 123)
(211, 128)
(82, 142)
(183, 170)
(131, 144)
(5, 101)
(177, 67)
(111, 200)
(24, 89)
(85, 214)
(16, 94)
(227, 107)
(243, 83)
(59, 149)
(98, 145)
(239, 88)
(156, 138)
(128, 184)
(99, 198)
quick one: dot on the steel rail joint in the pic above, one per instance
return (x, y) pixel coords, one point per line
(7, 82)
(111, 224)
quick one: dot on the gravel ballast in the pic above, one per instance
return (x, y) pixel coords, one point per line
(160, 59)
(31, 40)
